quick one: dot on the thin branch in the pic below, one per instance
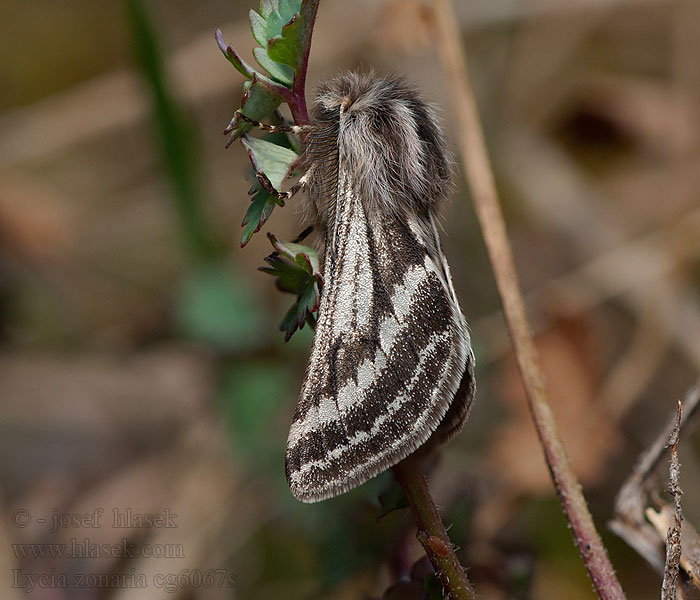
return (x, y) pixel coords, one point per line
(478, 169)
(629, 504)
(644, 528)
(431, 532)
(673, 536)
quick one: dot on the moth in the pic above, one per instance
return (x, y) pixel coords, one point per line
(391, 368)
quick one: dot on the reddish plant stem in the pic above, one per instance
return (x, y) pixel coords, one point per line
(476, 163)
(431, 532)
(300, 113)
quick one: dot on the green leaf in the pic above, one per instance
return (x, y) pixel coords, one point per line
(267, 6)
(296, 268)
(293, 320)
(289, 278)
(260, 98)
(275, 161)
(305, 256)
(281, 13)
(290, 47)
(258, 212)
(281, 73)
(258, 26)
(272, 18)
(287, 48)
(283, 30)
(232, 56)
(215, 306)
(278, 28)
(251, 395)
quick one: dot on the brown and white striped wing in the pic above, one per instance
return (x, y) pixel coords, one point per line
(389, 352)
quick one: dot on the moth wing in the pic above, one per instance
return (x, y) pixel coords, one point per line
(390, 353)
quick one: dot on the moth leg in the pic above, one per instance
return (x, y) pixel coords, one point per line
(271, 128)
(267, 185)
(303, 235)
(265, 182)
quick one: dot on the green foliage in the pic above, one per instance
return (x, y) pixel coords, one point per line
(273, 160)
(232, 56)
(258, 212)
(282, 28)
(261, 97)
(291, 47)
(297, 270)
(214, 307)
(278, 72)
(272, 18)
(251, 394)
(277, 162)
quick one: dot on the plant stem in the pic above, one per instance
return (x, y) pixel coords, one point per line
(673, 536)
(300, 113)
(480, 176)
(431, 532)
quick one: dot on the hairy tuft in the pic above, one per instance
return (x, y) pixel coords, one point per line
(386, 136)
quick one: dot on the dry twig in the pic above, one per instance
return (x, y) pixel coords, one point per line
(646, 529)
(673, 536)
(480, 176)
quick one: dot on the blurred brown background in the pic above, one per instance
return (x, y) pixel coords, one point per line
(138, 373)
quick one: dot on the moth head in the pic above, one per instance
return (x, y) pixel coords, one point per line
(388, 140)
